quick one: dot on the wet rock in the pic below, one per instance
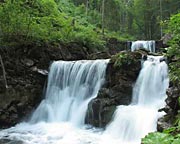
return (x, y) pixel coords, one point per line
(163, 59)
(162, 124)
(171, 108)
(117, 89)
(28, 62)
(8, 141)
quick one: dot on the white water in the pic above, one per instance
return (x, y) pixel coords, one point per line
(71, 85)
(148, 45)
(59, 118)
(133, 122)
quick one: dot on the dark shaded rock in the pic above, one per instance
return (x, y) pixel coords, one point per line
(28, 62)
(103, 55)
(162, 124)
(77, 51)
(163, 59)
(7, 141)
(115, 46)
(117, 89)
(171, 109)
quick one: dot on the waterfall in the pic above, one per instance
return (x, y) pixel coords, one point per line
(133, 122)
(59, 119)
(71, 85)
(148, 45)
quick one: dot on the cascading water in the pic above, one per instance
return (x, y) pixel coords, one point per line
(148, 45)
(71, 85)
(133, 122)
(58, 118)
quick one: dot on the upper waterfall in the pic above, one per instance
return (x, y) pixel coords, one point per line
(148, 45)
(71, 85)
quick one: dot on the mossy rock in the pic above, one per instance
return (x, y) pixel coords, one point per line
(125, 59)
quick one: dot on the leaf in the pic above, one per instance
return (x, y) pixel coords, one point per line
(158, 138)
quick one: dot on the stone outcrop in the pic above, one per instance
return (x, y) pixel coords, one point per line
(171, 108)
(121, 75)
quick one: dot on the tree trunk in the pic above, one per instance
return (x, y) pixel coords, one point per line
(103, 3)
(87, 7)
(4, 72)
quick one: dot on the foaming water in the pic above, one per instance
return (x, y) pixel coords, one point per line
(71, 85)
(59, 119)
(148, 45)
(133, 122)
(60, 116)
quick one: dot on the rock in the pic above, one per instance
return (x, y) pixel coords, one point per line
(103, 55)
(171, 108)
(100, 112)
(117, 89)
(40, 71)
(114, 46)
(8, 141)
(166, 38)
(161, 124)
(12, 109)
(43, 72)
(28, 62)
(163, 59)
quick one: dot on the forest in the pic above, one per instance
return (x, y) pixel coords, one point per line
(39, 23)
(88, 21)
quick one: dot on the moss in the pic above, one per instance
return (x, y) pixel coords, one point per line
(125, 59)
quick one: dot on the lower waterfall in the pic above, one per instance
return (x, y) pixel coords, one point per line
(59, 119)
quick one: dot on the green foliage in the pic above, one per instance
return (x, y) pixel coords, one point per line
(122, 59)
(139, 18)
(52, 21)
(120, 36)
(174, 49)
(161, 138)
(45, 21)
(158, 138)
